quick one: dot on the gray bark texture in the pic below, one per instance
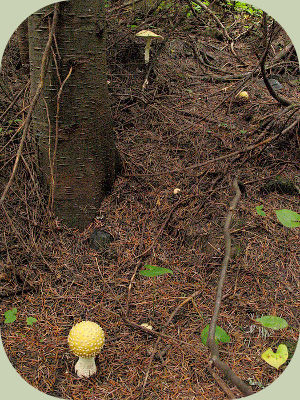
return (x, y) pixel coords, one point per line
(80, 136)
(22, 35)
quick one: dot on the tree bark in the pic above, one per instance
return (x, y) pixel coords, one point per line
(22, 35)
(72, 122)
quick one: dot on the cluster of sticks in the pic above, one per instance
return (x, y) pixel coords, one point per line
(212, 345)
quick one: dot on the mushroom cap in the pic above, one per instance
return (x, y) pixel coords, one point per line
(148, 34)
(145, 325)
(243, 95)
(86, 339)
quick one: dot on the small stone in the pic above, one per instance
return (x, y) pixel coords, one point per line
(100, 240)
(275, 84)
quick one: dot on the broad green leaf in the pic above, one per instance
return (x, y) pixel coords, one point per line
(220, 335)
(153, 270)
(288, 218)
(278, 358)
(31, 320)
(269, 321)
(260, 211)
(10, 316)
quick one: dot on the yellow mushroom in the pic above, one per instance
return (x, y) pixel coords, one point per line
(86, 340)
(243, 95)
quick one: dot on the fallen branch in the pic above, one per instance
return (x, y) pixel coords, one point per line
(213, 160)
(225, 156)
(224, 30)
(221, 383)
(211, 343)
(210, 12)
(282, 100)
(287, 49)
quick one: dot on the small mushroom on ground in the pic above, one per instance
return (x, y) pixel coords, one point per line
(244, 96)
(86, 340)
(176, 190)
(148, 36)
(145, 325)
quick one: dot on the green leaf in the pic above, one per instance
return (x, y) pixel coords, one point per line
(259, 210)
(288, 218)
(31, 320)
(10, 316)
(153, 270)
(220, 335)
(278, 358)
(269, 321)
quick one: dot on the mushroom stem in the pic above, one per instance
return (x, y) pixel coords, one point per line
(85, 367)
(147, 50)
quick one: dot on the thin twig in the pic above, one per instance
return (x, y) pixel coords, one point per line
(15, 99)
(224, 30)
(159, 338)
(151, 332)
(44, 64)
(210, 12)
(214, 160)
(52, 161)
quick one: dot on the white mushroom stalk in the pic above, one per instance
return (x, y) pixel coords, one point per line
(148, 35)
(85, 367)
(86, 340)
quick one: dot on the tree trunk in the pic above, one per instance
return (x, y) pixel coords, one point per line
(22, 35)
(74, 131)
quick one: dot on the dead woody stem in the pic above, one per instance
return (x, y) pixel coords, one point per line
(212, 345)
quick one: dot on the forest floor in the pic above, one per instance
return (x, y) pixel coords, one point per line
(170, 135)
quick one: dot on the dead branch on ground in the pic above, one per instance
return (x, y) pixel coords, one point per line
(224, 30)
(225, 156)
(283, 53)
(212, 344)
(221, 383)
(282, 100)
